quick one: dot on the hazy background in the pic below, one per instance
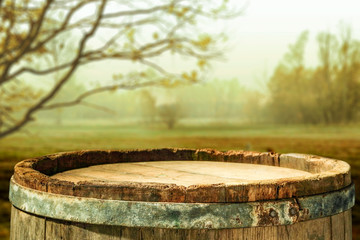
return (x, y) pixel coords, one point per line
(260, 37)
(273, 90)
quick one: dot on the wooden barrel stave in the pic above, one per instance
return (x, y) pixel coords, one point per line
(25, 226)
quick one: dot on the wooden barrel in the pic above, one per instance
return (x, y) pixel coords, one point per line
(181, 194)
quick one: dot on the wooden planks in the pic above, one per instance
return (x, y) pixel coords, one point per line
(181, 173)
(337, 227)
(56, 229)
(347, 225)
(25, 226)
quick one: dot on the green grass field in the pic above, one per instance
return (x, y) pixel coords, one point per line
(340, 142)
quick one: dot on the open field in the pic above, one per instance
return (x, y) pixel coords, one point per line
(340, 142)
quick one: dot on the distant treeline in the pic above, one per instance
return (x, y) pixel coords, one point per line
(219, 100)
(325, 94)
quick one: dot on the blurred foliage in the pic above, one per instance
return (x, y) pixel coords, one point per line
(327, 94)
(169, 114)
(43, 43)
(296, 94)
(215, 100)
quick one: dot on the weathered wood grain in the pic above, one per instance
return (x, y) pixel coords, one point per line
(181, 173)
(25, 226)
(347, 225)
(322, 175)
(30, 227)
(338, 226)
(326, 175)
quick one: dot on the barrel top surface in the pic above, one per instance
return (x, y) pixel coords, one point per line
(183, 173)
(202, 175)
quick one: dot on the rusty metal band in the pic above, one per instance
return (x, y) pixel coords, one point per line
(181, 215)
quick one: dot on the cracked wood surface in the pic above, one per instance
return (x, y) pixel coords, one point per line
(181, 173)
(320, 175)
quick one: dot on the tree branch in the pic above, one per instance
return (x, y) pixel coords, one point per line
(26, 44)
(87, 94)
(168, 20)
(28, 116)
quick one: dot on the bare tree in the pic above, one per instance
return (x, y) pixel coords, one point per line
(136, 30)
(170, 114)
(147, 106)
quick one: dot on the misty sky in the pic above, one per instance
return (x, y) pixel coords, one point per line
(268, 27)
(259, 38)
